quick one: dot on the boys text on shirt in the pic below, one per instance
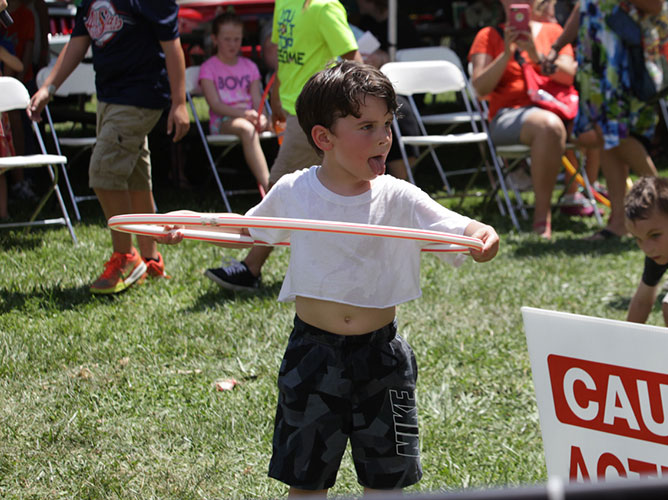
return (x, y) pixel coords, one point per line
(232, 82)
(364, 271)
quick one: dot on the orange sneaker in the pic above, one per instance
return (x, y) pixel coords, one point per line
(155, 268)
(120, 272)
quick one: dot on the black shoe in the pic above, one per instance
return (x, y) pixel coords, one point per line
(234, 276)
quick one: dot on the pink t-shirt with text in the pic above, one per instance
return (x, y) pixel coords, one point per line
(232, 82)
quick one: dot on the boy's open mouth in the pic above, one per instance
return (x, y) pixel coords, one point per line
(377, 164)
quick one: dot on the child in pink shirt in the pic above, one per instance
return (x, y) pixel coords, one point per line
(232, 87)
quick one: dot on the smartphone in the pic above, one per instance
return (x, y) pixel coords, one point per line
(519, 17)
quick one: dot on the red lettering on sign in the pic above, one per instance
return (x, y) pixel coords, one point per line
(609, 398)
(578, 467)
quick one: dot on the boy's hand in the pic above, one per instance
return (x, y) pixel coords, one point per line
(490, 240)
(172, 236)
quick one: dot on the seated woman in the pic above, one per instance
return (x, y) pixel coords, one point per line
(497, 76)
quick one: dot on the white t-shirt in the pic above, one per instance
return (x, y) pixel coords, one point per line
(365, 271)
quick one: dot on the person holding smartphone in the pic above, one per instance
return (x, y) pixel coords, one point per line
(497, 77)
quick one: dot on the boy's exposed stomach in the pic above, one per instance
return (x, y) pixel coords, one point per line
(342, 319)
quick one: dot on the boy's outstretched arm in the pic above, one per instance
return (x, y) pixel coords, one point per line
(641, 303)
(488, 236)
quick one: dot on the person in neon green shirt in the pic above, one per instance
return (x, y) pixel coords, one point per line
(307, 38)
(309, 34)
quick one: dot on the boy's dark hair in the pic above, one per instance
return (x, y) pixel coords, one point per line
(646, 195)
(339, 91)
(227, 17)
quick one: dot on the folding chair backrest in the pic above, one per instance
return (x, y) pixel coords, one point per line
(439, 53)
(13, 94)
(420, 77)
(80, 81)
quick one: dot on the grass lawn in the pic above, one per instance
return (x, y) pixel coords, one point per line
(113, 397)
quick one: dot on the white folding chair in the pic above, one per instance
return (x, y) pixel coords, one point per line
(441, 53)
(472, 115)
(226, 141)
(13, 95)
(80, 82)
(419, 77)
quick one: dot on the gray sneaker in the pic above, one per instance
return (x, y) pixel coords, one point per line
(234, 275)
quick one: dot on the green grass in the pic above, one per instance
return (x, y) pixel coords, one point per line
(113, 397)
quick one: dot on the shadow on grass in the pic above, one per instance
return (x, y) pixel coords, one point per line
(18, 239)
(214, 297)
(62, 298)
(573, 246)
(619, 303)
(622, 302)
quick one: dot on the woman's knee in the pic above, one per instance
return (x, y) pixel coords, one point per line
(545, 129)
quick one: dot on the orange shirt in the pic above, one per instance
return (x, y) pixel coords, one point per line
(511, 91)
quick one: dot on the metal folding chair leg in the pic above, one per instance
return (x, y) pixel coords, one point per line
(212, 163)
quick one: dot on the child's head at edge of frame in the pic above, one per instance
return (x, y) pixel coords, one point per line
(338, 91)
(646, 213)
(648, 194)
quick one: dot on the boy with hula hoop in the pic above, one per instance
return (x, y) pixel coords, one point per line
(346, 372)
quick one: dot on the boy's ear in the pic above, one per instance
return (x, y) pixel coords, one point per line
(321, 137)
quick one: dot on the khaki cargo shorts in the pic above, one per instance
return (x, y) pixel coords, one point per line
(295, 153)
(121, 159)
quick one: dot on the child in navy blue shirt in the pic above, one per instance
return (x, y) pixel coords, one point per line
(140, 71)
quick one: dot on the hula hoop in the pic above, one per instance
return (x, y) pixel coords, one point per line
(151, 225)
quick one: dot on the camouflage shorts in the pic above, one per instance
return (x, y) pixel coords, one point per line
(333, 388)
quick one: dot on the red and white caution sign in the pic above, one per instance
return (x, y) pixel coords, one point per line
(602, 393)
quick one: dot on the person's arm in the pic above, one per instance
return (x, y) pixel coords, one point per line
(222, 109)
(641, 303)
(214, 102)
(486, 71)
(10, 60)
(277, 113)
(178, 119)
(377, 58)
(489, 238)
(173, 234)
(567, 36)
(353, 55)
(563, 68)
(69, 58)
